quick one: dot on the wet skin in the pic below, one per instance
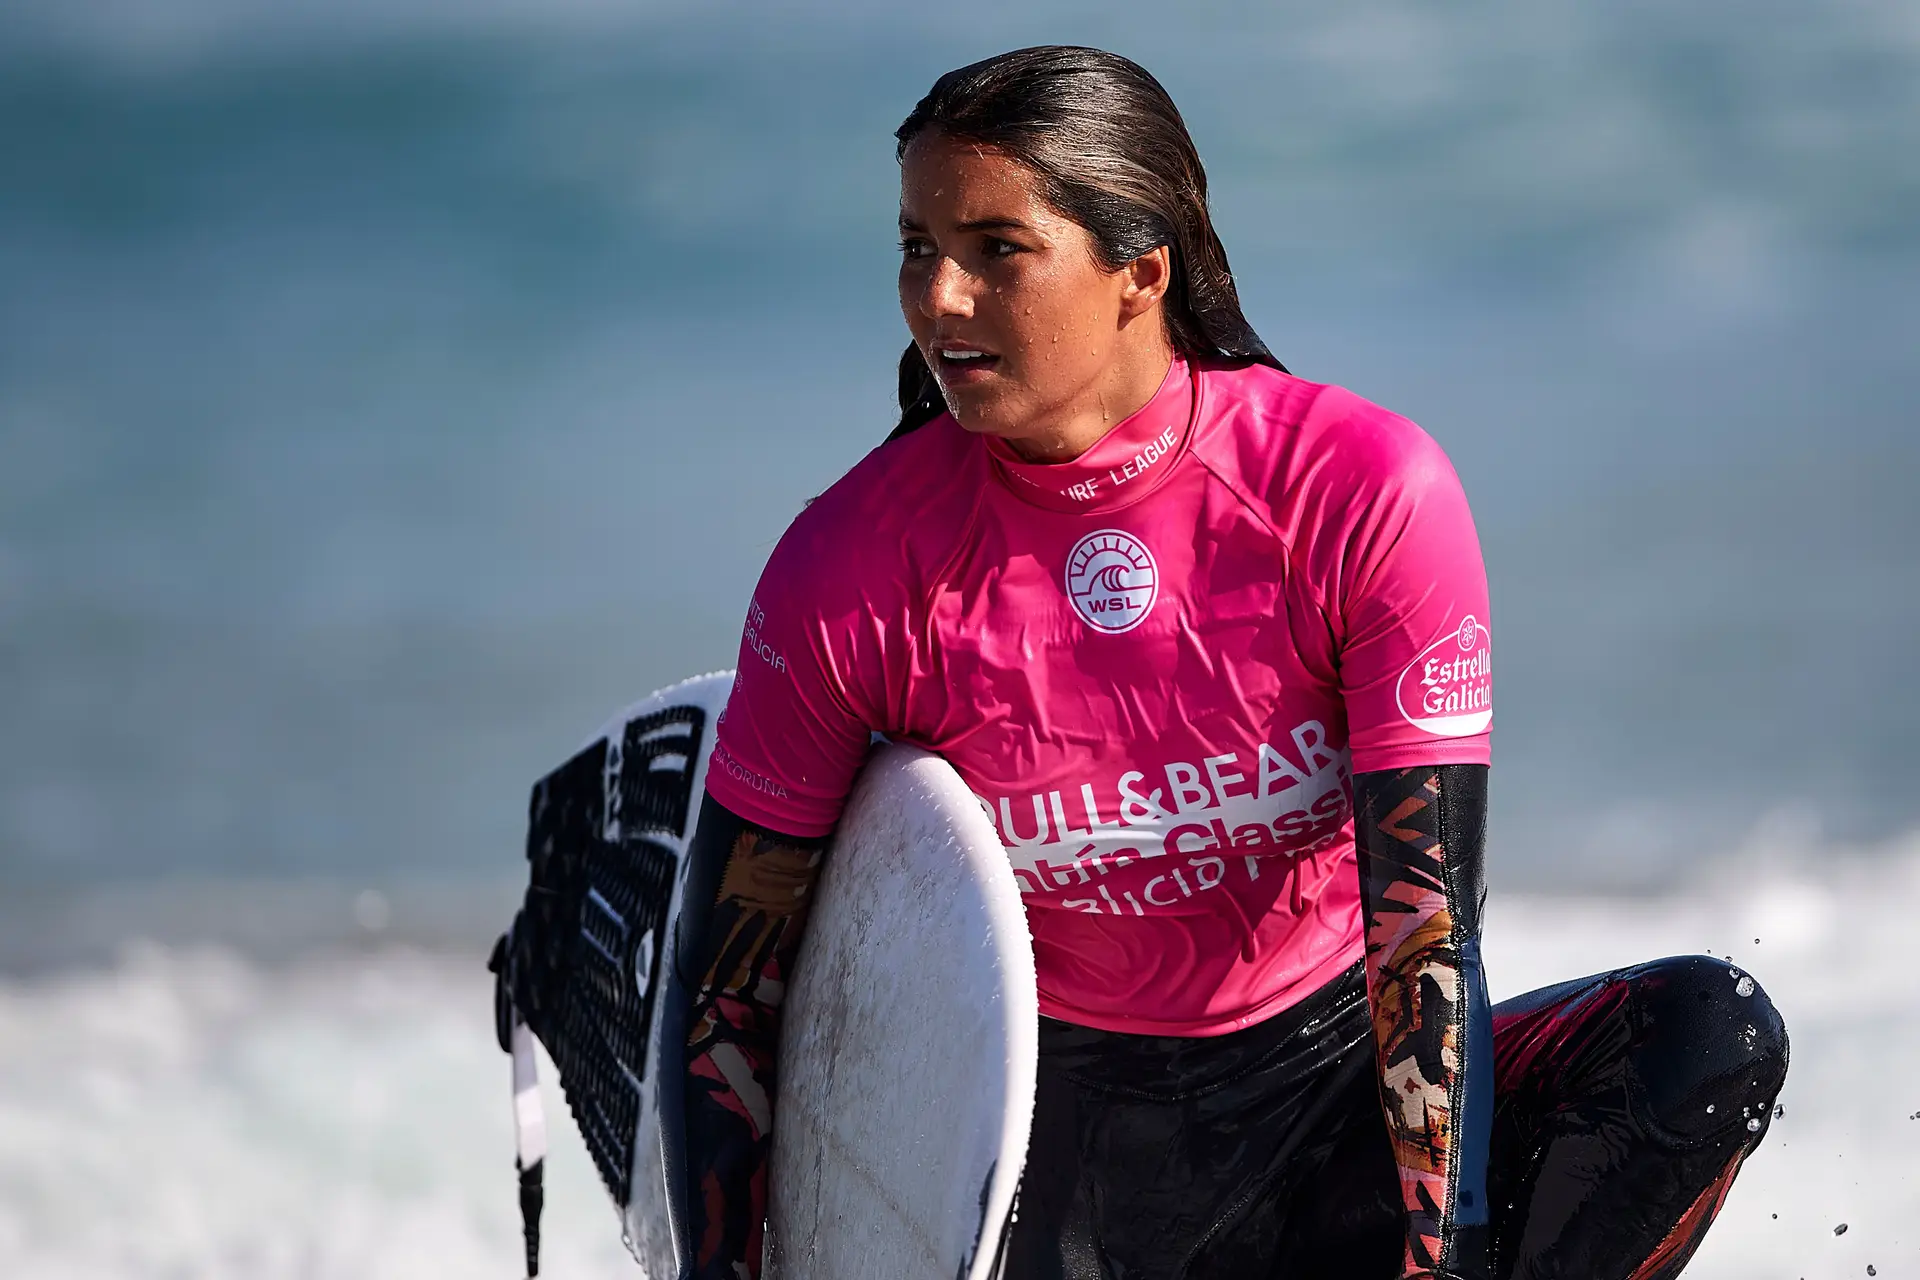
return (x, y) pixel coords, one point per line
(987, 265)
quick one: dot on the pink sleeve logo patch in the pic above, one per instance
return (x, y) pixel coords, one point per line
(1448, 690)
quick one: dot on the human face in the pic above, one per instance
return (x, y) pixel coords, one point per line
(1030, 338)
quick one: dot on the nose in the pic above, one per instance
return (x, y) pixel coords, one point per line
(947, 290)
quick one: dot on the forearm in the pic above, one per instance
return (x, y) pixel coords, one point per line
(1420, 834)
(743, 910)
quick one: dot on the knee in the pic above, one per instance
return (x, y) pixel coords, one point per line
(1708, 1048)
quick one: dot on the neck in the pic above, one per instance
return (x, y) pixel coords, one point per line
(1065, 434)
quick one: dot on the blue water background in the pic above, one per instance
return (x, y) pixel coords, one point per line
(387, 392)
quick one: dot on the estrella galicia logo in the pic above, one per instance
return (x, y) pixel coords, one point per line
(1112, 580)
(1448, 689)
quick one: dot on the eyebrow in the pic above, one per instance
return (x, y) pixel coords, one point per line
(978, 224)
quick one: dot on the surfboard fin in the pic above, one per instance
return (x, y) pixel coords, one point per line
(532, 1200)
(529, 1118)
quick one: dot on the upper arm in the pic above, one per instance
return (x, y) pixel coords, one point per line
(796, 728)
(1408, 591)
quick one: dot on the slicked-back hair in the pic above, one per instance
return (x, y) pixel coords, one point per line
(1112, 154)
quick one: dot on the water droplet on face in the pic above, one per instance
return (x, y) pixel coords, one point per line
(1709, 1108)
(1840, 1230)
(1744, 987)
(1779, 1109)
(1753, 1126)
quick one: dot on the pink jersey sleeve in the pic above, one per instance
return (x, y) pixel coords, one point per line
(1401, 574)
(794, 733)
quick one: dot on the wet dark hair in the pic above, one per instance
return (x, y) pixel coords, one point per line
(1112, 154)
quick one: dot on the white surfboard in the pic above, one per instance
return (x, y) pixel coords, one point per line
(909, 1035)
(909, 1042)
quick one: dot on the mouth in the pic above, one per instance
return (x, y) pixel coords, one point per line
(955, 365)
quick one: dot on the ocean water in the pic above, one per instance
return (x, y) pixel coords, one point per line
(387, 391)
(185, 1111)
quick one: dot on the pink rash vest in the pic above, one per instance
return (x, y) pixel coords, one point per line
(1156, 666)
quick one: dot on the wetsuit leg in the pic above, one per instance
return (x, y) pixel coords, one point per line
(1171, 1158)
(1624, 1105)
(1052, 1237)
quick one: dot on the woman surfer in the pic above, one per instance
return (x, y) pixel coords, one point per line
(1211, 645)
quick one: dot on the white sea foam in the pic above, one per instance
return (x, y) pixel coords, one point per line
(189, 1114)
(1831, 940)
(186, 1112)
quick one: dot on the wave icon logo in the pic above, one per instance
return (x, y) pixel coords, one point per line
(1112, 580)
(1448, 690)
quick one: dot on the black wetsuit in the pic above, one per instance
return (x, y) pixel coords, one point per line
(1624, 1104)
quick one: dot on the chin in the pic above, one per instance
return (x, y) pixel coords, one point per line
(985, 415)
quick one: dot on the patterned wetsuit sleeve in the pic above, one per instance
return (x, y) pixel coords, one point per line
(1420, 833)
(743, 911)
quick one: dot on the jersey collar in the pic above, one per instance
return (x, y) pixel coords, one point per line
(1127, 463)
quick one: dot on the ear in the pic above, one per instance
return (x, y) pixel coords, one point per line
(1144, 282)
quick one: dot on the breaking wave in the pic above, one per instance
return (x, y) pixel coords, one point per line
(188, 1111)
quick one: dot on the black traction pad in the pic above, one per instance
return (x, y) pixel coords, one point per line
(582, 961)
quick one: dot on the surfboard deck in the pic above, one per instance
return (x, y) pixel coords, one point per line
(909, 1043)
(909, 1034)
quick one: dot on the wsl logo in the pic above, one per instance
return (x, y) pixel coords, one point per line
(1448, 690)
(1112, 581)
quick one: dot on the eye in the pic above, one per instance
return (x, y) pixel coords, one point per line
(998, 248)
(914, 247)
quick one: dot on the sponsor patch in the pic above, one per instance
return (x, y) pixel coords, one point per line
(1148, 840)
(1112, 580)
(1448, 690)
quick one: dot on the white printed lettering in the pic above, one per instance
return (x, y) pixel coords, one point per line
(1060, 820)
(1273, 767)
(756, 616)
(1136, 809)
(1188, 794)
(1155, 449)
(745, 776)
(1092, 807)
(1223, 778)
(1311, 738)
(1201, 818)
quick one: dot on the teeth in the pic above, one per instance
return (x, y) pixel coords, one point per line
(963, 355)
